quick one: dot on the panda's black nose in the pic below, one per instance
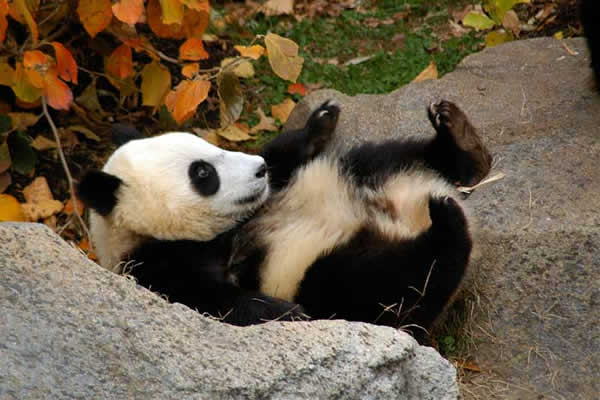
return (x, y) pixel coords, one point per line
(262, 171)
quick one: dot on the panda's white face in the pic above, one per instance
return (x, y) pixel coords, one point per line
(178, 186)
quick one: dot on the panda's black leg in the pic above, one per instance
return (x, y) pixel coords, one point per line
(457, 151)
(292, 149)
(397, 282)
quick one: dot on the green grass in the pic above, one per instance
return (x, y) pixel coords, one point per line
(398, 51)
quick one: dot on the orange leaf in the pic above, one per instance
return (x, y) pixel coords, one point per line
(24, 11)
(430, 72)
(95, 15)
(38, 191)
(36, 65)
(282, 111)
(84, 245)
(195, 23)
(120, 63)
(297, 88)
(57, 92)
(128, 11)
(3, 20)
(154, 15)
(190, 70)
(10, 209)
(67, 67)
(193, 49)
(183, 101)
(254, 52)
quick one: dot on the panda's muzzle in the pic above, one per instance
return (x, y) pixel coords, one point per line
(253, 198)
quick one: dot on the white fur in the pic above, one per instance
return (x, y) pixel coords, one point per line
(323, 209)
(157, 199)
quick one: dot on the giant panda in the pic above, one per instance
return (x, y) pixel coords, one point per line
(375, 234)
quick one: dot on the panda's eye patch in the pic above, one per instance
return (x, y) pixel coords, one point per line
(204, 178)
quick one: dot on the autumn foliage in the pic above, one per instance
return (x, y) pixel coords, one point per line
(42, 66)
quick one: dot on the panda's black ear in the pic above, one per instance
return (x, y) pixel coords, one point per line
(122, 133)
(98, 190)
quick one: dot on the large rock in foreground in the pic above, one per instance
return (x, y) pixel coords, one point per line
(69, 329)
(535, 329)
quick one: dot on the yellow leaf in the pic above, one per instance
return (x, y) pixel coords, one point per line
(283, 57)
(10, 209)
(38, 191)
(495, 38)
(22, 86)
(278, 7)
(172, 12)
(254, 52)
(156, 83)
(234, 133)
(154, 15)
(559, 35)
(197, 5)
(428, 73)
(265, 123)
(42, 209)
(282, 111)
(242, 68)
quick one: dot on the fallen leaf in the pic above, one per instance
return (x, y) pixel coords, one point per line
(38, 191)
(467, 365)
(242, 68)
(128, 11)
(156, 83)
(41, 143)
(511, 22)
(283, 110)
(559, 35)
(459, 15)
(95, 15)
(495, 38)
(50, 222)
(283, 57)
(478, 20)
(254, 52)
(264, 124)
(85, 132)
(65, 63)
(430, 72)
(42, 209)
(234, 133)
(278, 7)
(209, 135)
(10, 209)
(89, 99)
(297, 88)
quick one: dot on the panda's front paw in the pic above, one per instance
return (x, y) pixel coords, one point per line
(321, 126)
(446, 214)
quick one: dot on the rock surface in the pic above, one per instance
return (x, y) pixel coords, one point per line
(536, 326)
(69, 329)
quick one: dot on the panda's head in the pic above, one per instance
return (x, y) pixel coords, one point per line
(169, 187)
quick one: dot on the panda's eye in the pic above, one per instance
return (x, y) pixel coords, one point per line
(204, 178)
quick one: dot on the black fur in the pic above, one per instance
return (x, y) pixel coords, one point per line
(98, 190)
(590, 18)
(371, 278)
(192, 273)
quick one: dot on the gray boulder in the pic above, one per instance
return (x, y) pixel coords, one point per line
(70, 329)
(535, 329)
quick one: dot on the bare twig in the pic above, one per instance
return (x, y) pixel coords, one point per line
(66, 168)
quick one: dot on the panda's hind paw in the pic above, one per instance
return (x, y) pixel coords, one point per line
(446, 212)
